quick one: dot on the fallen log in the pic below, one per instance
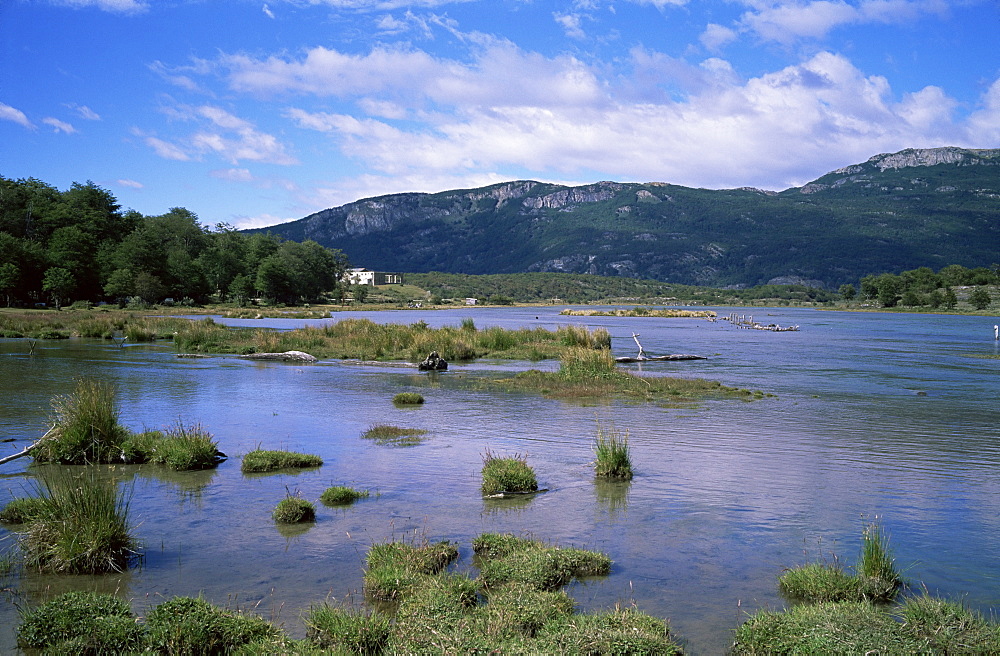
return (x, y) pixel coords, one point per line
(648, 358)
(28, 449)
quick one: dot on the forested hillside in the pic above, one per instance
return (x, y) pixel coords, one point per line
(61, 246)
(917, 208)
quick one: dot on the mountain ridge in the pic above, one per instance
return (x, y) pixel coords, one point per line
(893, 212)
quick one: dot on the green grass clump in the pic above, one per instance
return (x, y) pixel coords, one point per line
(81, 526)
(875, 579)
(293, 509)
(507, 559)
(948, 627)
(81, 623)
(408, 398)
(86, 427)
(509, 474)
(189, 625)
(181, 448)
(612, 451)
(618, 631)
(389, 435)
(347, 630)
(21, 510)
(259, 460)
(394, 568)
(340, 495)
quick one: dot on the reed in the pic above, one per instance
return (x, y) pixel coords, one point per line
(507, 474)
(612, 451)
(81, 525)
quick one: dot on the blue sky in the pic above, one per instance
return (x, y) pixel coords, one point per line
(254, 113)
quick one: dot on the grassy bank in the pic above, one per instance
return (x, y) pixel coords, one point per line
(586, 373)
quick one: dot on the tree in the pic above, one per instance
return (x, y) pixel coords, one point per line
(59, 283)
(935, 299)
(359, 292)
(8, 280)
(240, 289)
(950, 300)
(847, 292)
(980, 298)
(911, 299)
(889, 287)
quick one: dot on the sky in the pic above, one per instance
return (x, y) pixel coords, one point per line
(255, 113)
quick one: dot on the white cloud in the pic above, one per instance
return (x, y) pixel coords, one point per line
(571, 24)
(115, 6)
(58, 126)
(8, 113)
(267, 11)
(225, 135)
(233, 175)
(84, 112)
(132, 184)
(984, 124)
(786, 22)
(715, 37)
(244, 222)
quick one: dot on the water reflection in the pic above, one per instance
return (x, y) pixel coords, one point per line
(613, 495)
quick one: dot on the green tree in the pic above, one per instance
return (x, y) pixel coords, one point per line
(240, 289)
(935, 299)
(980, 298)
(847, 292)
(950, 299)
(9, 276)
(911, 299)
(889, 288)
(59, 283)
(359, 293)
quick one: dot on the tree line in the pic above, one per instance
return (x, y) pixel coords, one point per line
(78, 244)
(923, 287)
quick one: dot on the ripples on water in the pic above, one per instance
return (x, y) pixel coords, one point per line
(875, 415)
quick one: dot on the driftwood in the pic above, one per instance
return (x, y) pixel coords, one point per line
(28, 449)
(642, 357)
(287, 356)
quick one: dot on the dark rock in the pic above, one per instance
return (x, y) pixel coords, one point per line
(434, 362)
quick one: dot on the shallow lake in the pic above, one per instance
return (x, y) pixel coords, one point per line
(875, 415)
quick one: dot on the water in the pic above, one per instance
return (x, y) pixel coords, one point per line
(881, 415)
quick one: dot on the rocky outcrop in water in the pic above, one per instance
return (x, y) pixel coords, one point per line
(433, 362)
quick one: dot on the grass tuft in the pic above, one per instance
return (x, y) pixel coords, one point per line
(395, 568)
(21, 510)
(612, 451)
(408, 398)
(507, 559)
(389, 435)
(83, 623)
(190, 625)
(259, 461)
(507, 474)
(86, 427)
(347, 630)
(293, 509)
(340, 495)
(80, 526)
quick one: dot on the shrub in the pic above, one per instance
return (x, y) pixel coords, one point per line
(348, 630)
(408, 398)
(293, 510)
(267, 461)
(192, 626)
(81, 526)
(612, 451)
(388, 435)
(340, 495)
(83, 623)
(510, 474)
(86, 427)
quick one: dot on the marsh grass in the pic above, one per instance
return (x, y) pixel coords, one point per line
(340, 495)
(612, 451)
(348, 630)
(293, 509)
(408, 398)
(590, 373)
(86, 427)
(623, 630)
(261, 461)
(507, 474)
(21, 510)
(948, 627)
(875, 577)
(81, 525)
(81, 623)
(389, 435)
(395, 568)
(191, 625)
(506, 559)
(179, 447)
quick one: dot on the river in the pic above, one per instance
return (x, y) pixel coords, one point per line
(874, 415)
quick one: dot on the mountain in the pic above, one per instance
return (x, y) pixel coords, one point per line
(899, 211)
